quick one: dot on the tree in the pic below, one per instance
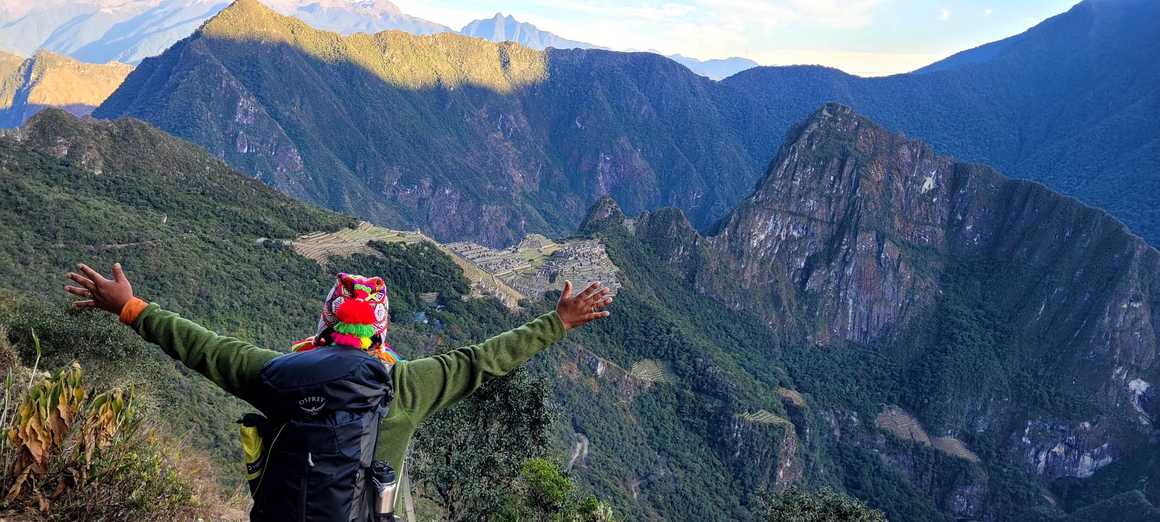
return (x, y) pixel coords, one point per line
(544, 493)
(467, 457)
(799, 505)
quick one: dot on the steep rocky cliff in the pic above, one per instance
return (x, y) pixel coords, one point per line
(1019, 320)
(1063, 103)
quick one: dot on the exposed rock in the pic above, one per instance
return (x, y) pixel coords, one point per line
(1056, 450)
(538, 264)
(851, 237)
(586, 367)
(763, 450)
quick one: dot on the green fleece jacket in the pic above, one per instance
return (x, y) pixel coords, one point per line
(422, 386)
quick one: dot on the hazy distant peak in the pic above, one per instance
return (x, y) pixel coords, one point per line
(506, 28)
(716, 68)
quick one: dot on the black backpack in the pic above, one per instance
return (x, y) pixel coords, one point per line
(316, 445)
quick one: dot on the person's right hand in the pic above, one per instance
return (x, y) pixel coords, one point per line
(109, 295)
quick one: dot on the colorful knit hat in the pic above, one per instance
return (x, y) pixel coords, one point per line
(356, 314)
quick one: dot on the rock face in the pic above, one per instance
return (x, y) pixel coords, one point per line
(762, 450)
(1027, 105)
(859, 236)
(29, 85)
(861, 220)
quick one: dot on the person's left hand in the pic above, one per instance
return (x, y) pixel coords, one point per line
(109, 295)
(585, 307)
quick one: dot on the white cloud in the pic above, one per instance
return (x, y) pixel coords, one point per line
(836, 13)
(988, 11)
(842, 14)
(944, 14)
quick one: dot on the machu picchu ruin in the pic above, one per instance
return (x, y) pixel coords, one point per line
(535, 265)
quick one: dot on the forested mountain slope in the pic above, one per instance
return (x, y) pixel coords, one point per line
(533, 138)
(206, 241)
(461, 137)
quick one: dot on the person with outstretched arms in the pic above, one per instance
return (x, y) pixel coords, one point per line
(339, 410)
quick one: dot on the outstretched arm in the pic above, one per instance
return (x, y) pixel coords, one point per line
(427, 385)
(230, 363)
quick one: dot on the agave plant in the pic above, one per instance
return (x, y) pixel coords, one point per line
(55, 408)
(42, 422)
(108, 413)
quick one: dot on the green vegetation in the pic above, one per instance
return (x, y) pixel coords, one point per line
(1024, 106)
(798, 505)
(543, 493)
(188, 231)
(468, 457)
(69, 453)
(540, 118)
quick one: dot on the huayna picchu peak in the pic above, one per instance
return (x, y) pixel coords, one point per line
(1000, 313)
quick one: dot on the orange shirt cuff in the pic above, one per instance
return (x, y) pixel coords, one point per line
(131, 310)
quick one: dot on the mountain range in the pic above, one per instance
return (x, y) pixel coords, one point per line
(538, 136)
(716, 68)
(510, 139)
(27, 85)
(356, 16)
(501, 28)
(1062, 103)
(100, 31)
(943, 305)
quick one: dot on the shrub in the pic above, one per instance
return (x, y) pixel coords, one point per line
(544, 493)
(799, 505)
(71, 454)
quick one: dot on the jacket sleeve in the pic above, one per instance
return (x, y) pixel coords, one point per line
(230, 363)
(427, 385)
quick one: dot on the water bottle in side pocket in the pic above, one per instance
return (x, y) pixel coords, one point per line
(386, 485)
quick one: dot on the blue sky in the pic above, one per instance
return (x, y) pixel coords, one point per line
(867, 37)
